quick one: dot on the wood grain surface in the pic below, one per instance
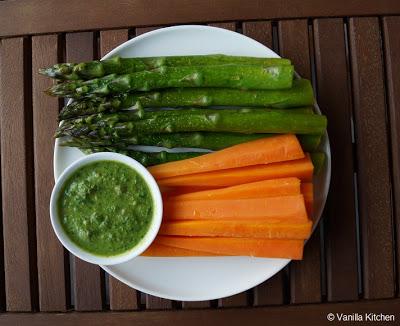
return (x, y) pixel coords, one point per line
(293, 315)
(88, 285)
(50, 252)
(357, 88)
(46, 16)
(334, 99)
(111, 39)
(260, 31)
(372, 157)
(17, 187)
(305, 275)
(391, 29)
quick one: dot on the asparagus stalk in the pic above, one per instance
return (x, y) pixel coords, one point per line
(318, 160)
(146, 158)
(229, 76)
(301, 94)
(117, 65)
(245, 121)
(205, 140)
(138, 113)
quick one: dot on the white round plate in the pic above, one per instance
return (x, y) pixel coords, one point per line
(197, 278)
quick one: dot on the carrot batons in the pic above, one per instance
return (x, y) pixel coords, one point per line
(158, 250)
(307, 190)
(262, 151)
(302, 169)
(272, 248)
(238, 229)
(265, 188)
(269, 209)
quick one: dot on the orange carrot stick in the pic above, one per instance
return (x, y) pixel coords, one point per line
(261, 151)
(269, 209)
(259, 189)
(302, 169)
(272, 248)
(238, 229)
(158, 250)
(307, 189)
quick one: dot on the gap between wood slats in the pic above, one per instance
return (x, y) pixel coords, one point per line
(2, 274)
(88, 279)
(17, 175)
(51, 269)
(121, 296)
(305, 275)
(334, 97)
(355, 159)
(68, 266)
(391, 38)
(321, 227)
(373, 157)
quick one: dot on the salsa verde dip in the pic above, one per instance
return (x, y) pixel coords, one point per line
(105, 207)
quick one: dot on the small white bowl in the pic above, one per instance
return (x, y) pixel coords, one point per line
(147, 239)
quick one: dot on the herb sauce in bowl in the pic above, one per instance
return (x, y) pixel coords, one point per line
(106, 208)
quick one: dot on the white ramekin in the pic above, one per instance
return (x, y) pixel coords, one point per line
(147, 239)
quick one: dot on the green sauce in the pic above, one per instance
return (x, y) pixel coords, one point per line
(105, 208)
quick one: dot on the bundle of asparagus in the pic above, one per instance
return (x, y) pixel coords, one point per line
(209, 102)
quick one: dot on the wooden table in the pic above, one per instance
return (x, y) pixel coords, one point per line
(350, 50)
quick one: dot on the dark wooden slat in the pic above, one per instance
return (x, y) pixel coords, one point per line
(27, 17)
(391, 28)
(51, 269)
(293, 44)
(14, 165)
(335, 101)
(156, 303)
(142, 30)
(227, 25)
(237, 300)
(293, 315)
(88, 280)
(122, 297)
(260, 31)
(240, 299)
(111, 39)
(373, 161)
(195, 304)
(305, 275)
(271, 291)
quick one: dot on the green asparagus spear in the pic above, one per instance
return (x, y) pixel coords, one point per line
(206, 140)
(89, 122)
(229, 76)
(117, 65)
(318, 160)
(245, 121)
(301, 94)
(146, 158)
